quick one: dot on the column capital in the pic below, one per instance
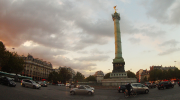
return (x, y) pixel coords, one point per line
(116, 16)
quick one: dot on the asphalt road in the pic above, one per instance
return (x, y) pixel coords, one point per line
(62, 93)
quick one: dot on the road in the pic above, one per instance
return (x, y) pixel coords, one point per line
(53, 92)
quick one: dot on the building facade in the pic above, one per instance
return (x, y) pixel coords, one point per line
(99, 76)
(36, 68)
(163, 68)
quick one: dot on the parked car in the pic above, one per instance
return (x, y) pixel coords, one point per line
(7, 81)
(140, 88)
(163, 85)
(81, 90)
(121, 88)
(150, 85)
(43, 84)
(68, 84)
(30, 83)
(60, 84)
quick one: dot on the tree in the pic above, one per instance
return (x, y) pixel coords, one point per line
(12, 63)
(145, 78)
(2, 52)
(79, 77)
(131, 74)
(107, 76)
(53, 77)
(91, 78)
(65, 75)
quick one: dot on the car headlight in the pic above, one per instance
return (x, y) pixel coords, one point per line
(92, 90)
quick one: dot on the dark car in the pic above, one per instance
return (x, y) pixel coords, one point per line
(163, 85)
(7, 81)
(43, 84)
(121, 88)
(179, 83)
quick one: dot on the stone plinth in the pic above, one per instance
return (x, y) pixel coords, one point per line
(118, 75)
(117, 81)
(99, 78)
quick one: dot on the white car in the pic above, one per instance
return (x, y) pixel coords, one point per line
(68, 84)
(60, 84)
(81, 90)
(87, 86)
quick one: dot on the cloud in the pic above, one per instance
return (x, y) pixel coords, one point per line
(134, 40)
(169, 47)
(169, 51)
(164, 11)
(93, 58)
(171, 43)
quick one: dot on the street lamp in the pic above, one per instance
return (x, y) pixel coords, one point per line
(175, 63)
(13, 49)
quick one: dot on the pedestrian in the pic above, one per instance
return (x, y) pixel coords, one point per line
(128, 87)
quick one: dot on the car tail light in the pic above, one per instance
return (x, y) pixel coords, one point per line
(21, 81)
(178, 82)
(161, 84)
(119, 87)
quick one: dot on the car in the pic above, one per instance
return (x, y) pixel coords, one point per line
(60, 84)
(68, 84)
(140, 88)
(81, 90)
(174, 83)
(87, 86)
(42, 83)
(30, 83)
(166, 84)
(122, 88)
(178, 83)
(150, 85)
(7, 81)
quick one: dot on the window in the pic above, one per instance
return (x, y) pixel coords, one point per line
(81, 87)
(134, 85)
(139, 85)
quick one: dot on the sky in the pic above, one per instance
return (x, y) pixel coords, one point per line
(80, 33)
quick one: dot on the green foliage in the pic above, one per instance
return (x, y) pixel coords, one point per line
(79, 77)
(159, 74)
(53, 77)
(91, 78)
(107, 76)
(10, 62)
(145, 79)
(2, 53)
(62, 76)
(131, 74)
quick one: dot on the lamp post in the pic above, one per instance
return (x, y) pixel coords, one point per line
(175, 63)
(13, 50)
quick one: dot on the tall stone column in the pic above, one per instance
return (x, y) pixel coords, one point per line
(118, 61)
